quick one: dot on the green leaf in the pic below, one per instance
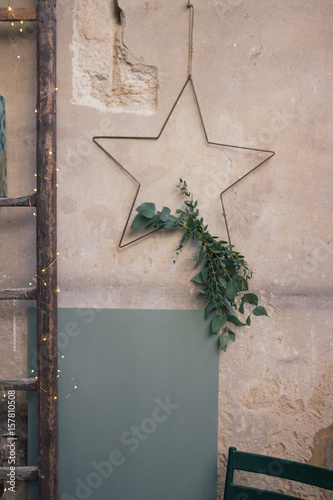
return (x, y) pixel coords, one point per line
(184, 239)
(234, 320)
(164, 215)
(223, 340)
(250, 298)
(209, 309)
(198, 279)
(259, 311)
(172, 223)
(223, 283)
(232, 335)
(147, 209)
(140, 221)
(236, 285)
(217, 323)
(200, 259)
(231, 291)
(248, 320)
(156, 221)
(245, 284)
(204, 274)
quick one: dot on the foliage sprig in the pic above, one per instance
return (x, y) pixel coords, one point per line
(224, 274)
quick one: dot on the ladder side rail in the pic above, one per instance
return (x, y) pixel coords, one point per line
(47, 350)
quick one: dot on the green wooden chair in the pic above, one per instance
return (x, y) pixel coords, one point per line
(260, 464)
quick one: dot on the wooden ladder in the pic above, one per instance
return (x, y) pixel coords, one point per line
(45, 292)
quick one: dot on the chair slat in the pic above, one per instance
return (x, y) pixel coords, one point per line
(278, 467)
(274, 467)
(237, 492)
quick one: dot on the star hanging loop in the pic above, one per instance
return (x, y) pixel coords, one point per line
(204, 152)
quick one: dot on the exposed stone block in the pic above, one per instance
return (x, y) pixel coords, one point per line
(105, 74)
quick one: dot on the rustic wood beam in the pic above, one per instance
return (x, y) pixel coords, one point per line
(17, 14)
(3, 154)
(20, 384)
(18, 294)
(24, 473)
(22, 201)
(47, 351)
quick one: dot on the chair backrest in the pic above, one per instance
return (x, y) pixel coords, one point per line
(261, 464)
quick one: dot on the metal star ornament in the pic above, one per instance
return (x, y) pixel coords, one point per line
(181, 149)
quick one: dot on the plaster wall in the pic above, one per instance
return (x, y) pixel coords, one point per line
(262, 72)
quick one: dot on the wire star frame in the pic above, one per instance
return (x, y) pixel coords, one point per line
(189, 82)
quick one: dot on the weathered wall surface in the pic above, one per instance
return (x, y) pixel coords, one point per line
(262, 71)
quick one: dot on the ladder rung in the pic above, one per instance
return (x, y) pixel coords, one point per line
(18, 384)
(22, 201)
(18, 294)
(17, 14)
(24, 473)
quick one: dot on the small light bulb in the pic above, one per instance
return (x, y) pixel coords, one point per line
(57, 185)
(50, 153)
(21, 22)
(35, 175)
(36, 112)
(13, 24)
(21, 29)
(18, 57)
(44, 338)
(58, 253)
(56, 89)
(34, 214)
(43, 270)
(32, 371)
(36, 378)
(62, 356)
(35, 190)
(30, 284)
(75, 387)
(9, 8)
(55, 397)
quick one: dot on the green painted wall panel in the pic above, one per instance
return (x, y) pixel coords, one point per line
(142, 424)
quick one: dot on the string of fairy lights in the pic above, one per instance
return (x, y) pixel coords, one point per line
(33, 372)
(14, 23)
(50, 152)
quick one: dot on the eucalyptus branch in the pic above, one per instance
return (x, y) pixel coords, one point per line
(224, 274)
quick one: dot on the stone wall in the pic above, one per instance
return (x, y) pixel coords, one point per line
(262, 72)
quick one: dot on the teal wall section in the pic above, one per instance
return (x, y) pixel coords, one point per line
(142, 423)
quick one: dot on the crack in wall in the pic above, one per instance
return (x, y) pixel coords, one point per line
(118, 12)
(105, 74)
